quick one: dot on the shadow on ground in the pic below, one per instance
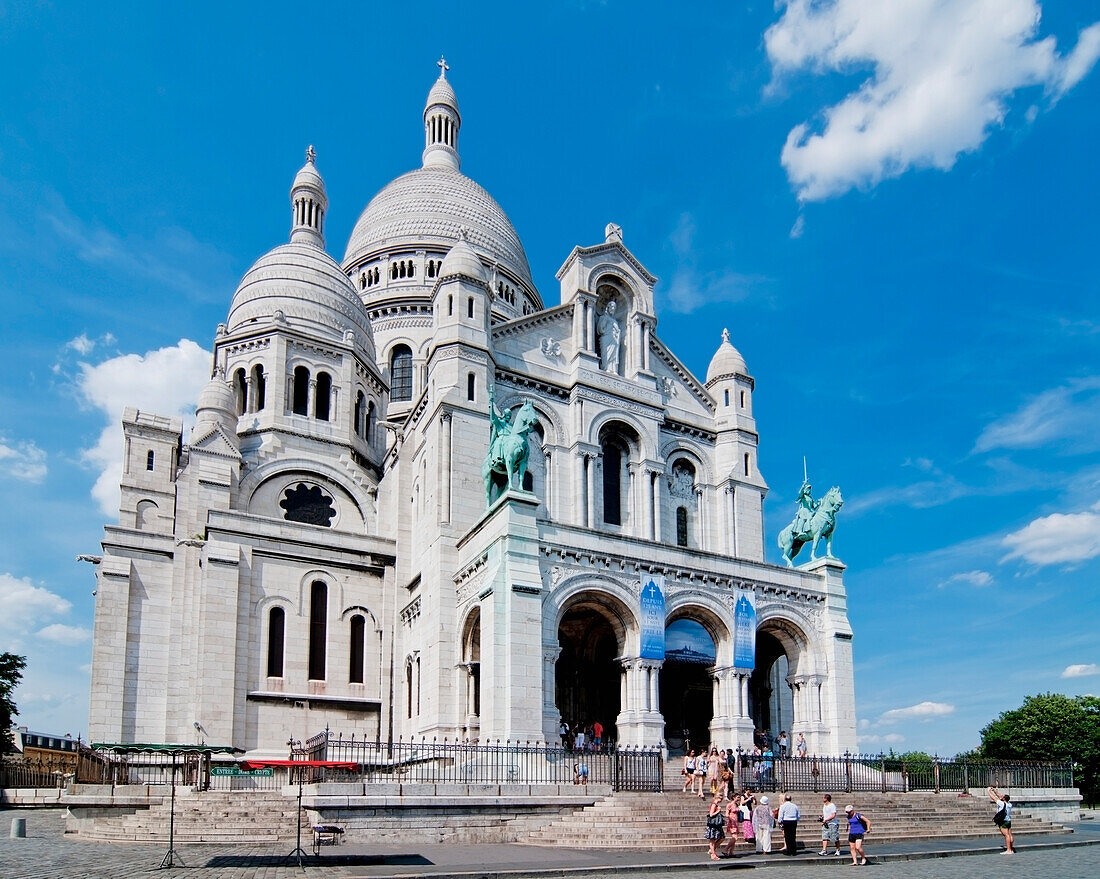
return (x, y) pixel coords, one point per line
(326, 860)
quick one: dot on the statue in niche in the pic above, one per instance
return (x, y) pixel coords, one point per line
(610, 335)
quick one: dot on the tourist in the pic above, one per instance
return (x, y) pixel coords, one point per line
(763, 820)
(767, 767)
(789, 813)
(1003, 818)
(783, 743)
(800, 747)
(597, 736)
(578, 739)
(858, 826)
(725, 779)
(700, 773)
(580, 774)
(563, 731)
(688, 771)
(733, 818)
(712, 771)
(744, 813)
(716, 823)
(830, 826)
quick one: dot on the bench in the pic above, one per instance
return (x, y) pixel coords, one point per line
(323, 834)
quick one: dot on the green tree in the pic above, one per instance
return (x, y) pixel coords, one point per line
(11, 673)
(1050, 727)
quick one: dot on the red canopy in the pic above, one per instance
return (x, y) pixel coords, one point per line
(249, 765)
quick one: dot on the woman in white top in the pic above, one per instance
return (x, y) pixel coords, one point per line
(689, 771)
(1003, 818)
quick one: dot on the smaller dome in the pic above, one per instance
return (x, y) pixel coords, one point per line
(442, 93)
(727, 360)
(303, 285)
(308, 177)
(462, 260)
(216, 403)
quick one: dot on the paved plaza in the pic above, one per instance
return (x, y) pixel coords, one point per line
(46, 854)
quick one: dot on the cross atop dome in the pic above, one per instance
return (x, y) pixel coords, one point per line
(443, 67)
(311, 155)
(441, 122)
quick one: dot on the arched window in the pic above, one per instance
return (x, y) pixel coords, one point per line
(259, 387)
(276, 627)
(746, 463)
(470, 383)
(318, 629)
(612, 483)
(358, 645)
(470, 307)
(300, 391)
(742, 399)
(323, 404)
(681, 526)
(368, 425)
(150, 459)
(146, 515)
(401, 373)
(409, 688)
(726, 392)
(360, 411)
(240, 391)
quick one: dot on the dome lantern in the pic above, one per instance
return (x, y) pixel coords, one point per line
(309, 201)
(441, 123)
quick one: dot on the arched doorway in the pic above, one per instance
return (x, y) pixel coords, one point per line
(470, 675)
(686, 688)
(587, 674)
(770, 698)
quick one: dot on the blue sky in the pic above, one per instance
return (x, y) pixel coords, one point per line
(891, 206)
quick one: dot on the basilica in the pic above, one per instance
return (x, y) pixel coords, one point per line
(421, 500)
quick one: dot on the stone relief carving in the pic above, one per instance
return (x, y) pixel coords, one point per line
(550, 347)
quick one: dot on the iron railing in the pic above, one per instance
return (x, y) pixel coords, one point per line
(862, 772)
(433, 761)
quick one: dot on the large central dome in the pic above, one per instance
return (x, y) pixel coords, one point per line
(434, 206)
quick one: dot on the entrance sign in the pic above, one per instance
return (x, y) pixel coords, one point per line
(236, 770)
(744, 620)
(653, 617)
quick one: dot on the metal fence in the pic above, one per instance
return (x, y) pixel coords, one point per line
(857, 772)
(433, 761)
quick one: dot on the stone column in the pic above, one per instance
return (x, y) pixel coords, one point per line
(551, 717)
(311, 398)
(581, 504)
(250, 394)
(445, 465)
(700, 523)
(647, 504)
(548, 490)
(657, 506)
(731, 521)
(632, 493)
(590, 487)
(645, 345)
(590, 326)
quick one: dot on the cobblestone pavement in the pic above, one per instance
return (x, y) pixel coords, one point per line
(46, 854)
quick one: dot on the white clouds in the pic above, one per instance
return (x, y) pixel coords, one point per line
(22, 460)
(888, 739)
(970, 578)
(59, 633)
(165, 382)
(1081, 671)
(24, 606)
(171, 257)
(690, 288)
(1066, 416)
(920, 711)
(940, 75)
(1060, 538)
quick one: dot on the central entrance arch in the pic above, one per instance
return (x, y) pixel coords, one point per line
(686, 688)
(587, 674)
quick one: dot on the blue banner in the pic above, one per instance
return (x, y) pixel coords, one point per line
(744, 621)
(653, 617)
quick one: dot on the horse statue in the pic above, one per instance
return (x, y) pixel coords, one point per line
(820, 524)
(508, 452)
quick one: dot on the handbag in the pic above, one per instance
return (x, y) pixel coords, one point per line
(999, 817)
(716, 821)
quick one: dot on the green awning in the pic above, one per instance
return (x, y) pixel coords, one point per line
(164, 748)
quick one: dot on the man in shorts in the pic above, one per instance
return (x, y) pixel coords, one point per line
(830, 826)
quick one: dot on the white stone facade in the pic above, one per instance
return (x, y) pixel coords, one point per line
(321, 551)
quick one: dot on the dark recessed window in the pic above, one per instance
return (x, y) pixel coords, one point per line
(307, 504)
(275, 631)
(612, 484)
(358, 636)
(318, 630)
(322, 405)
(681, 526)
(401, 374)
(300, 400)
(149, 459)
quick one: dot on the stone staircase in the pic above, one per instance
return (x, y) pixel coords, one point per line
(238, 817)
(675, 821)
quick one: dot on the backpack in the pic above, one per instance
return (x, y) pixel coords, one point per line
(999, 817)
(863, 822)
